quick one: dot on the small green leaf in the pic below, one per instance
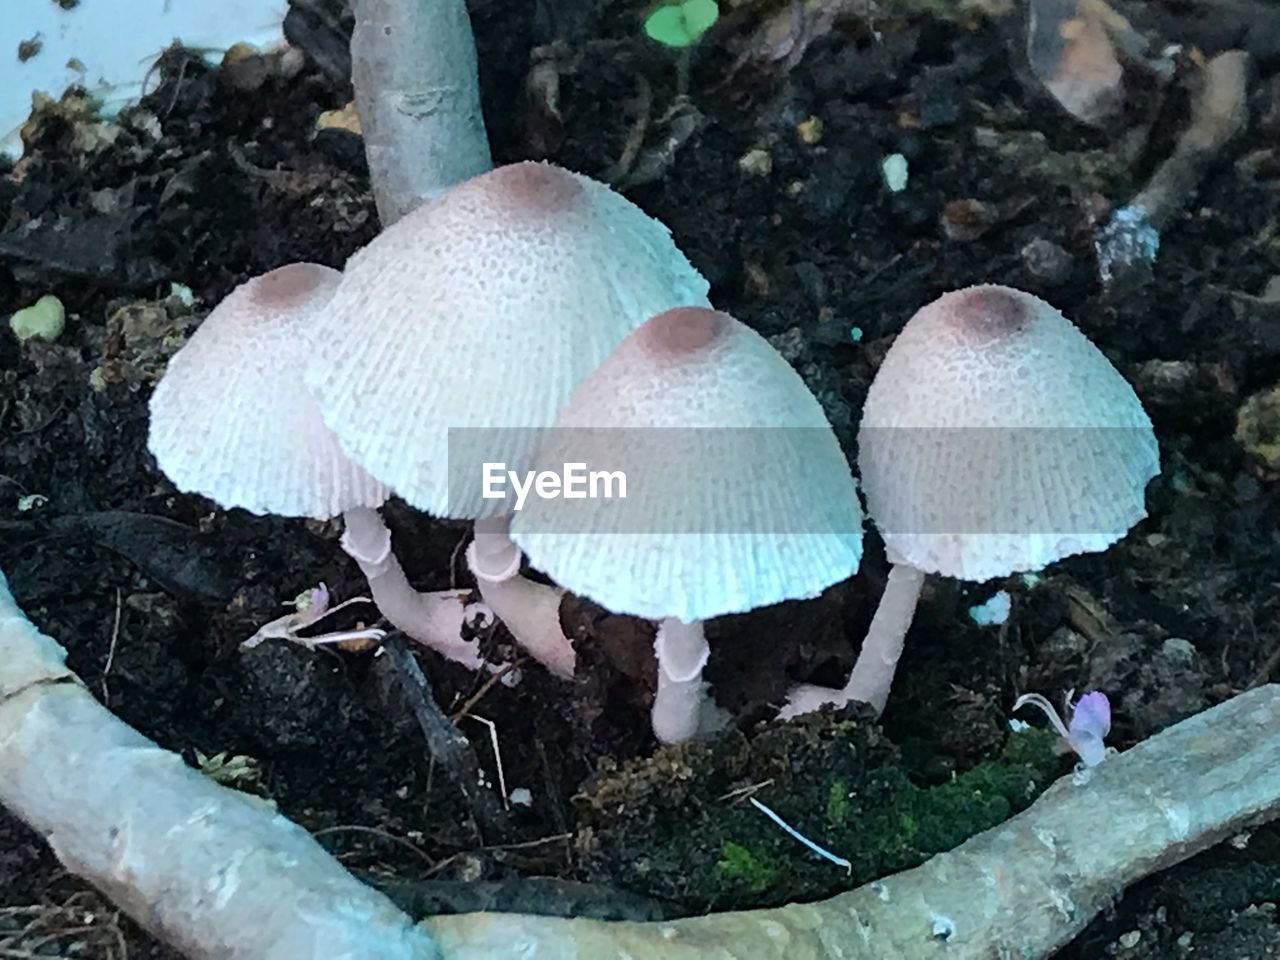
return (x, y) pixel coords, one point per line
(681, 24)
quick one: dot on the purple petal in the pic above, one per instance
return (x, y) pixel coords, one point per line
(320, 599)
(1091, 716)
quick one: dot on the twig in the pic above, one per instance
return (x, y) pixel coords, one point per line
(413, 63)
(497, 757)
(1218, 113)
(111, 651)
(744, 793)
(1264, 672)
(446, 743)
(795, 834)
(471, 701)
(375, 831)
(526, 845)
(1024, 888)
(1127, 246)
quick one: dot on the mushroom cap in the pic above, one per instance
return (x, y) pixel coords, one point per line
(737, 494)
(997, 438)
(467, 324)
(231, 418)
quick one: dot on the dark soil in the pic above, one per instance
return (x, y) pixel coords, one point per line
(222, 174)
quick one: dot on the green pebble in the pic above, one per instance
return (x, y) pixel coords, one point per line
(45, 319)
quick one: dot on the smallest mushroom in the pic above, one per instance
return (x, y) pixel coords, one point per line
(232, 420)
(1086, 732)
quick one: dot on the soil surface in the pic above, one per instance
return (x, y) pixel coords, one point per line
(769, 173)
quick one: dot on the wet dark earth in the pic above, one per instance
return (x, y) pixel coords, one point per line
(769, 173)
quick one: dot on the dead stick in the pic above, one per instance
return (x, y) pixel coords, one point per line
(448, 746)
(413, 63)
(1219, 112)
(219, 874)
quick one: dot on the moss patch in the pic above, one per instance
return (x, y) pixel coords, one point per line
(677, 825)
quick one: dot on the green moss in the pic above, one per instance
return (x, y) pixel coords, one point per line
(925, 821)
(675, 826)
(838, 803)
(738, 866)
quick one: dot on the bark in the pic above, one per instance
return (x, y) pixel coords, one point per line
(217, 873)
(413, 63)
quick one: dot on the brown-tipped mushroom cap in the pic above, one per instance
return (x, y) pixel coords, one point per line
(231, 418)
(484, 309)
(737, 492)
(997, 438)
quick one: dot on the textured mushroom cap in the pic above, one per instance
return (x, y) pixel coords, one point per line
(484, 308)
(738, 494)
(231, 418)
(997, 438)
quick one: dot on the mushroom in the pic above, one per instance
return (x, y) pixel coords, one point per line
(996, 438)
(232, 420)
(737, 494)
(460, 331)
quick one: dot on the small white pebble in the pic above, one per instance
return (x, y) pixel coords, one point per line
(992, 612)
(511, 678)
(1030, 580)
(756, 162)
(1130, 940)
(943, 928)
(183, 294)
(522, 797)
(894, 170)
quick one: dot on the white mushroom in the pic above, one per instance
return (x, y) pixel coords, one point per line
(232, 420)
(737, 493)
(460, 331)
(996, 438)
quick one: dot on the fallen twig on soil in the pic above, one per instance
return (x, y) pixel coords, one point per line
(217, 873)
(1219, 112)
(222, 875)
(448, 746)
(82, 922)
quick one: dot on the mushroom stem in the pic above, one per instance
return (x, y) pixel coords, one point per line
(873, 672)
(530, 610)
(432, 619)
(682, 652)
(413, 64)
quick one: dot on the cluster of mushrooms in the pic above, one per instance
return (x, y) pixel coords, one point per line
(532, 316)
